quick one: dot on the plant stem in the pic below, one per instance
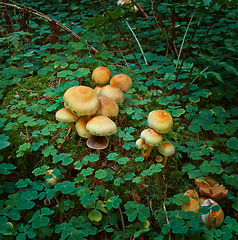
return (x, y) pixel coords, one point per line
(146, 63)
(180, 51)
(35, 12)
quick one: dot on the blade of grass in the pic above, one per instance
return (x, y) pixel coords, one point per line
(142, 52)
(185, 34)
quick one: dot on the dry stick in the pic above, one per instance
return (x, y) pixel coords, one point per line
(20, 35)
(122, 56)
(164, 207)
(104, 8)
(144, 13)
(161, 26)
(8, 43)
(190, 73)
(39, 14)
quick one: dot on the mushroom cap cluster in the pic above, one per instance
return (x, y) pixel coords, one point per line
(89, 111)
(159, 122)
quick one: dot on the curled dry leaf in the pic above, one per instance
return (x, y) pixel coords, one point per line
(208, 187)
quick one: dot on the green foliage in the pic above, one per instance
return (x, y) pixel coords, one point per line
(182, 64)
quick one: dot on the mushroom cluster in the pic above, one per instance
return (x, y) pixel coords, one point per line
(89, 111)
(213, 219)
(159, 122)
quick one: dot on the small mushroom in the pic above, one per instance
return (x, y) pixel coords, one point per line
(212, 219)
(166, 149)
(193, 204)
(53, 180)
(152, 138)
(81, 100)
(112, 92)
(81, 127)
(121, 81)
(108, 107)
(65, 115)
(97, 142)
(100, 126)
(160, 121)
(101, 75)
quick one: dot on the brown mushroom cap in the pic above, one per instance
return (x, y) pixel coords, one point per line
(101, 75)
(167, 149)
(101, 126)
(121, 81)
(65, 115)
(81, 128)
(108, 107)
(151, 137)
(160, 121)
(97, 142)
(112, 92)
(81, 100)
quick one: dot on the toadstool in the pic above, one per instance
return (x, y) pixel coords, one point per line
(152, 138)
(112, 92)
(81, 100)
(66, 116)
(108, 107)
(101, 75)
(166, 149)
(121, 81)
(160, 121)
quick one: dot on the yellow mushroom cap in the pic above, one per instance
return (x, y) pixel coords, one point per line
(121, 81)
(160, 121)
(191, 206)
(167, 149)
(108, 107)
(151, 137)
(81, 100)
(192, 193)
(139, 143)
(53, 180)
(112, 92)
(101, 75)
(101, 126)
(65, 115)
(97, 89)
(81, 128)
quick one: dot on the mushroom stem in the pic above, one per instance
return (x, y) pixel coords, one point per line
(72, 125)
(165, 160)
(148, 152)
(98, 152)
(143, 152)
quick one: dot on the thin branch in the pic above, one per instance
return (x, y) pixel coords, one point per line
(39, 14)
(104, 8)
